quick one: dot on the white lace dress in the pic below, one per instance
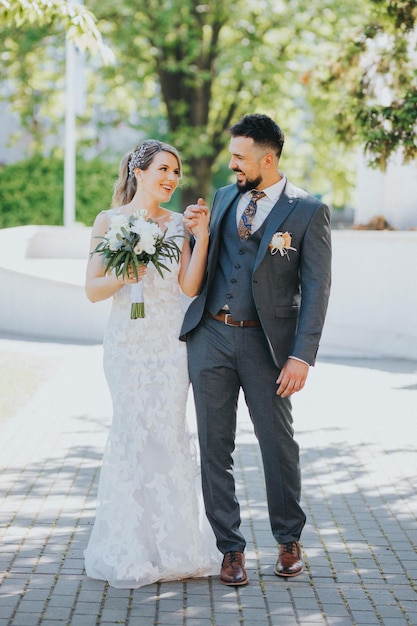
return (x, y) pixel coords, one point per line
(149, 524)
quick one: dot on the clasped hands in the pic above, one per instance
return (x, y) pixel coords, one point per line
(196, 219)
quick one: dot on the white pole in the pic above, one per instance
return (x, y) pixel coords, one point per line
(70, 142)
(70, 129)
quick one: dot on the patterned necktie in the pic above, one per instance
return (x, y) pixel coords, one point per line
(244, 228)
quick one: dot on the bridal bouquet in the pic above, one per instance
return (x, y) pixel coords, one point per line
(131, 242)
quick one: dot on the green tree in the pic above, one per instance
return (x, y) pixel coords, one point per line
(215, 61)
(185, 70)
(376, 81)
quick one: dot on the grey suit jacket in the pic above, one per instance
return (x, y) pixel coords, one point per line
(291, 292)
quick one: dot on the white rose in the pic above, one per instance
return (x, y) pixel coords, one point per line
(114, 242)
(148, 242)
(118, 221)
(140, 227)
(154, 229)
(137, 226)
(145, 244)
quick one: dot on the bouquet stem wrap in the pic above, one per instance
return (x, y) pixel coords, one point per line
(137, 310)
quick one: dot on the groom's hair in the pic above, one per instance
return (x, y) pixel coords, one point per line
(262, 129)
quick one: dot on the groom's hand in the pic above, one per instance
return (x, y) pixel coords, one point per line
(292, 377)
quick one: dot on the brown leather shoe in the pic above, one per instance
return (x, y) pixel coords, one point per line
(290, 562)
(233, 569)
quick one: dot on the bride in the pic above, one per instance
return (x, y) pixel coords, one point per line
(149, 522)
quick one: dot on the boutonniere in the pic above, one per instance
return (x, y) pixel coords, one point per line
(281, 242)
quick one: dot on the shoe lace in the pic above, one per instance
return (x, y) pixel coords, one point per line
(232, 557)
(289, 548)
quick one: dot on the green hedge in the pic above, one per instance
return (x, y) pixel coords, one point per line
(31, 191)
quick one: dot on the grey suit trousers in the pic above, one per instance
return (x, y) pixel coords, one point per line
(222, 360)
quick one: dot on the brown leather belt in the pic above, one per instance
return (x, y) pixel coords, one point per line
(226, 318)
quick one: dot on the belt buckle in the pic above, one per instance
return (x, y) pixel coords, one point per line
(226, 316)
(226, 321)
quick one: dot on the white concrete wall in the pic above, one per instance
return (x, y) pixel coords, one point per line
(373, 304)
(42, 295)
(372, 311)
(392, 193)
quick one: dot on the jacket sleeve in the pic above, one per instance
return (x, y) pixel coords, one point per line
(315, 281)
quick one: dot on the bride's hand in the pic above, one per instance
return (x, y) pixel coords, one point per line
(130, 277)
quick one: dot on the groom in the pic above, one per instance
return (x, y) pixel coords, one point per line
(256, 325)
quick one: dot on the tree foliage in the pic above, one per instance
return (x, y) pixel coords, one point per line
(216, 61)
(77, 21)
(377, 78)
(185, 70)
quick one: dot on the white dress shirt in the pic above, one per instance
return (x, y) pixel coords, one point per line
(264, 204)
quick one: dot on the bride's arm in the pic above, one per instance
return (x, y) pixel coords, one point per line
(98, 285)
(194, 263)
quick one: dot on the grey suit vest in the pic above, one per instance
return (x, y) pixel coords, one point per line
(232, 283)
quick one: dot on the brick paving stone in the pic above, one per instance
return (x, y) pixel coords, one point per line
(283, 620)
(58, 613)
(23, 619)
(142, 612)
(335, 611)
(83, 620)
(362, 618)
(358, 492)
(171, 619)
(308, 616)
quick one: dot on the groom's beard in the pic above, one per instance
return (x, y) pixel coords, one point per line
(249, 184)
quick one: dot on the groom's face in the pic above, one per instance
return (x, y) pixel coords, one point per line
(246, 161)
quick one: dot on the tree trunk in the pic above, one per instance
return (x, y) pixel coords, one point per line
(198, 185)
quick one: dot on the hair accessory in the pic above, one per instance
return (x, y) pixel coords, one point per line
(137, 157)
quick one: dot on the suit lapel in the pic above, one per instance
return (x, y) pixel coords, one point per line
(221, 206)
(222, 203)
(287, 202)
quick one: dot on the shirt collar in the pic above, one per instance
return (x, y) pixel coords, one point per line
(274, 191)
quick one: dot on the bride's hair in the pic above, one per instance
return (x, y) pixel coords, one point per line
(141, 156)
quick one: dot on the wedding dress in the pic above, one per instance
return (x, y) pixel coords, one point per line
(149, 523)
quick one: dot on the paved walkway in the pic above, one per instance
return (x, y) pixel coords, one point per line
(356, 423)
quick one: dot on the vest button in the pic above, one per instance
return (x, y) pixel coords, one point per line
(233, 280)
(237, 266)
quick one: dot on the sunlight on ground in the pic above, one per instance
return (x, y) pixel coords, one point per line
(20, 377)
